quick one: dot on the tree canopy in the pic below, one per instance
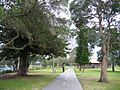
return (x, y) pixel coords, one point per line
(27, 27)
(99, 15)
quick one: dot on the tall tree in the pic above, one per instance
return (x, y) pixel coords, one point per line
(26, 27)
(82, 52)
(102, 15)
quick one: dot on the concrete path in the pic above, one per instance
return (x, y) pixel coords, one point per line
(66, 81)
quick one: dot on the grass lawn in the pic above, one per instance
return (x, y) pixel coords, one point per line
(36, 80)
(89, 80)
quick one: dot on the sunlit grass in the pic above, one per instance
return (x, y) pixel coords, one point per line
(89, 79)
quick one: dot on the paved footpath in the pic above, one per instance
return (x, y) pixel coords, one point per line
(66, 81)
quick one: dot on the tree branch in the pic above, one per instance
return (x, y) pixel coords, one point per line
(15, 48)
(11, 41)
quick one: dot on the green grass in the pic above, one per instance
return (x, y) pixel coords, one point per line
(36, 80)
(89, 80)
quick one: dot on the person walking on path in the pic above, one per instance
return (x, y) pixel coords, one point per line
(66, 81)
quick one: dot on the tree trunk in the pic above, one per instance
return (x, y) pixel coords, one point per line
(113, 65)
(83, 68)
(16, 65)
(104, 64)
(80, 67)
(28, 64)
(105, 50)
(53, 66)
(14, 68)
(23, 65)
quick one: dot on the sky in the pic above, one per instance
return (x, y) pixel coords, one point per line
(94, 56)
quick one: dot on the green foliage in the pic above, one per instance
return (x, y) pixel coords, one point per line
(27, 28)
(6, 71)
(84, 11)
(30, 24)
(1, 12)
(79, 12)
(82, 52)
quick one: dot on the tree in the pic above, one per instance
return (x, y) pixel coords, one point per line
(114, 47)
(26, 28)
(106, 11)
(82, 52)
(103, 12)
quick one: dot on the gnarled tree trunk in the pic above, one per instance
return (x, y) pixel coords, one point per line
(23, 65)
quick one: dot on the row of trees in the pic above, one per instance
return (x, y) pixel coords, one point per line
(100, 18)
(27, 28)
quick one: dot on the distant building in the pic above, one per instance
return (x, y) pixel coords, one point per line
(94, 63)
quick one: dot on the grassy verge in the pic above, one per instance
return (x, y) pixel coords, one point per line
(89, 80)
(36, 80)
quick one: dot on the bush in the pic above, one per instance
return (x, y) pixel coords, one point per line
(6, 71)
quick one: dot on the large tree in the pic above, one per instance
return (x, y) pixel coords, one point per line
(27, 27)
(101, 15)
